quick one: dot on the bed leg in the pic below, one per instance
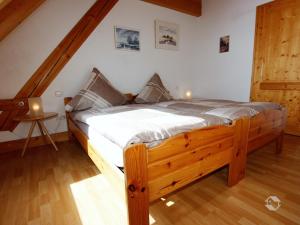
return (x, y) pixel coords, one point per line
(237, 167)
(279, 143)
(136, 184)
(279, 139)
(70, 134)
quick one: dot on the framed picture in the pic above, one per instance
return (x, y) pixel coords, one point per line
(166, 35)
(127, 39)
(224, 44)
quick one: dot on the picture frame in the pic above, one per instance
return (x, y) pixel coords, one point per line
(224, 44)
(127, 38)
(166, 35)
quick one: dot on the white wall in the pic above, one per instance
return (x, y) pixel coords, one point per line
(226, 75)
(198, 65)
(23, 50)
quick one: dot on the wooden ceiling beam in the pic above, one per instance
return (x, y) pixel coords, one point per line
(59, 57)
(13, 12)
(3, 3)
(12, 104)
(191, 7)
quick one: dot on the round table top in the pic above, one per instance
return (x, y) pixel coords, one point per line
(29, 117)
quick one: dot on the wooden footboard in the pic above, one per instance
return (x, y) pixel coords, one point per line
(266, 127)
(180, 160)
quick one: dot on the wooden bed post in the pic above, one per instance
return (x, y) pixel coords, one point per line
(70, 135)
(237, 167)
(136, 184)
(279, 140)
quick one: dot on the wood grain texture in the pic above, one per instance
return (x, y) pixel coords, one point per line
(266, 127)
(190, 141)
(3, 3)
(136, 184)
(276, 67)
(187, 157)
(13, 12)
(17, 145)
(237, 165)
(13, 104)
(280, 86)
(65, 187)
(164, 166)
(179, 178)
(59, 57)
(29, 118)
(191, 7)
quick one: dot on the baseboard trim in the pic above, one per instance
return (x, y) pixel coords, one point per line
(17, 145)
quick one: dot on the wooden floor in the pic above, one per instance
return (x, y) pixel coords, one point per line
(48, 187)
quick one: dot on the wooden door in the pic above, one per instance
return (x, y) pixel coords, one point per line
(276, 68)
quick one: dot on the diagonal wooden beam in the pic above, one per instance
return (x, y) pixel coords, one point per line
(12, 104)
(59, 57)
(3, 3)
(191, 7)
(13, 12)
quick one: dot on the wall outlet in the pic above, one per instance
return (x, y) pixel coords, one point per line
(58, 94)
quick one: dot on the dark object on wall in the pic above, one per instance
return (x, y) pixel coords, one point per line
(127, 39)
(224, 44)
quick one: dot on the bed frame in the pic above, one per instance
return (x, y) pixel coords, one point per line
(266, 127)
(150, 173)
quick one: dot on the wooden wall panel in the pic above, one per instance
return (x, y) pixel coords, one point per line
(59, 57)
(191, 7)
(276, 68)
(13, 12)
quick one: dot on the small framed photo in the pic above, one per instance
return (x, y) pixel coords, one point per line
(166, 35)
(224, 44)
(127, 39)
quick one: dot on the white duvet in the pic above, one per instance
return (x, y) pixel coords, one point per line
(127, 125)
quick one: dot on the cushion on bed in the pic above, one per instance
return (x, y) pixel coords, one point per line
(98, 92)
(153, 92)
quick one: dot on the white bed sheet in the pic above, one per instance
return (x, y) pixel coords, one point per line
(103, 146)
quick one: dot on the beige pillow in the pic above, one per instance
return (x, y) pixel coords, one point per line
(153, 92)
(98, 92)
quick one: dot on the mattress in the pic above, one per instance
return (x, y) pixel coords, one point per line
(102, 146)
(113, 129)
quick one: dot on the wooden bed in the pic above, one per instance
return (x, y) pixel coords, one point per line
(266, 127)
(150, 173)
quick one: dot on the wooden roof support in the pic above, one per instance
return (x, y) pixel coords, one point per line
(12, 104)
(59, 57)
(191, 7)
(13, 12)
(3, 3)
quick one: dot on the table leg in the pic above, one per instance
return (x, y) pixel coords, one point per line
(48, 135)
(28, 137)
(42, 133)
